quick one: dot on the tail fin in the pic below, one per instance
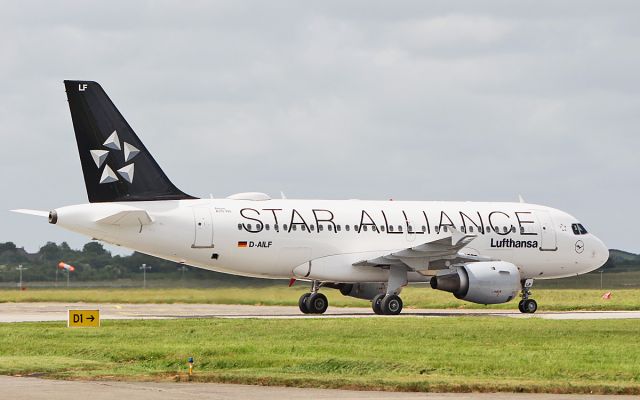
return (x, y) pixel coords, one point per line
(115, 163)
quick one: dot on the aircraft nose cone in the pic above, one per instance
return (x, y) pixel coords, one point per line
(600, 253)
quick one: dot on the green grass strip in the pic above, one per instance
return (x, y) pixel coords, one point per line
(405, 354)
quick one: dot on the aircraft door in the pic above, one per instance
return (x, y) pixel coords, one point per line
(548, 240)
(203, 226)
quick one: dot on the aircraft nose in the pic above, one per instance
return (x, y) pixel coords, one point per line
(600, 253)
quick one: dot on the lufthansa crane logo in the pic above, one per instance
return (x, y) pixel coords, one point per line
(128, 152)
(579, 246)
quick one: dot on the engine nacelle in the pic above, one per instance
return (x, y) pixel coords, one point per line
(485, 282)
(365, 291)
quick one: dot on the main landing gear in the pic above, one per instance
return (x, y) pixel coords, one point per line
(527, 305)
(386, 304)
(390, 303)
(314, 302)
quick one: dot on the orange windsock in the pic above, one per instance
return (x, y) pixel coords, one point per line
(66, 266)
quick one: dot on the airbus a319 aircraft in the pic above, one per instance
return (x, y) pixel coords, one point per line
(480, 252)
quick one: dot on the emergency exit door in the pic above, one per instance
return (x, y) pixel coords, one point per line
(203, 226)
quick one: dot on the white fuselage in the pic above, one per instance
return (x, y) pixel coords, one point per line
(277, 238)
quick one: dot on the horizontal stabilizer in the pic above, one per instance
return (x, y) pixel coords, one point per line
(37, 213)
(127, 217)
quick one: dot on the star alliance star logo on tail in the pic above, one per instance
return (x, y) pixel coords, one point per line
(127, 150)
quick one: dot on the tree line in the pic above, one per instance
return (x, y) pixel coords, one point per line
(94, 263)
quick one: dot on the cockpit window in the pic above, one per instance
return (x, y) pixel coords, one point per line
(578, 229)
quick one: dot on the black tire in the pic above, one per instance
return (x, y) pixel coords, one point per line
(317, 303)
(376, 303)
(302, 303)
(391, 305)
(521, 306)
(530, 306)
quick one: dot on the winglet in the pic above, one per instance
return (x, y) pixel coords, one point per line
(458, 237)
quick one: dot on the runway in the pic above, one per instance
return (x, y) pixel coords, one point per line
(44, 389)
(32, 312)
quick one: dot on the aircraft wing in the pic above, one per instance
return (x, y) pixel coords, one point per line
(437, 254)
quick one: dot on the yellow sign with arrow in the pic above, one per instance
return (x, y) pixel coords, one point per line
(83, 319)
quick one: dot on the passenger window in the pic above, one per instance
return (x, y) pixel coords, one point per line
(249, 227)
(410, 228)
(444, 228)
(239, 227)
(312, 227)
(294, 227)
(463, 229)
(437, 229)
(364, 228)
(513, 229)
(338, 228)
(284, 226)
(399, 228)
(320, 228)
(347, 227)
(266, 226)
(390, 228)
(330, 228)
(522, 230)
(381, 228)
(424, 229)
(259, 226)
(303, 227)
(504, 229)
(276, 227)
(487, 229)
(471, 229)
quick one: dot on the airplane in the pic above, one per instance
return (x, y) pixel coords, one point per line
(481, 252)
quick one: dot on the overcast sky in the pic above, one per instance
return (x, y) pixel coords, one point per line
(410, 100)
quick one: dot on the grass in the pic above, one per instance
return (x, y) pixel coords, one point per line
(405, 354)
(413, 296)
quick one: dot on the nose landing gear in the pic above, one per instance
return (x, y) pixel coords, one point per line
(527, 305)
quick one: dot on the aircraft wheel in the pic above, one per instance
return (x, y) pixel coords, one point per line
(391, 305)
(376, 303)
(317, 303)
(302, 303)
(521, 306)
(530, 306)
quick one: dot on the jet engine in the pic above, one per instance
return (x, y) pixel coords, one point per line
(486, 282)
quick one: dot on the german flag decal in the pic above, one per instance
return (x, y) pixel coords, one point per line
(242, 244)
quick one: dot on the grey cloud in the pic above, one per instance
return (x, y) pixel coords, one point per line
(410, 100)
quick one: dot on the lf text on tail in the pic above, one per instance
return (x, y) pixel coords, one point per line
(480, 252)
